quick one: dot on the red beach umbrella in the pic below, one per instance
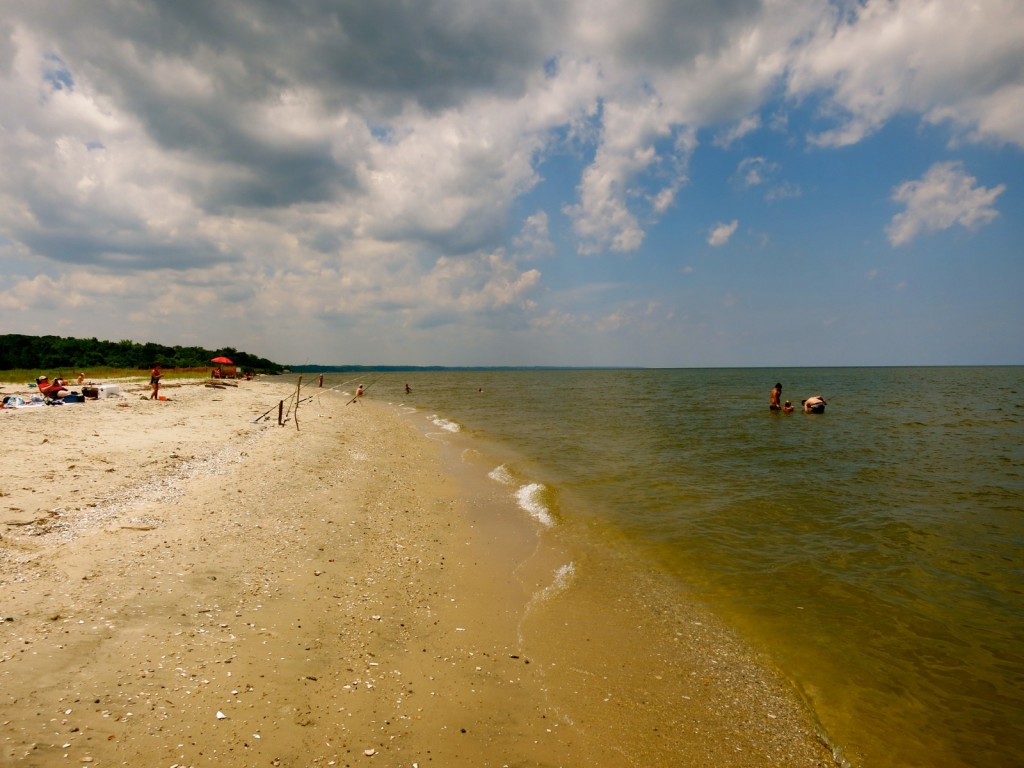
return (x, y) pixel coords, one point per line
(222, 360)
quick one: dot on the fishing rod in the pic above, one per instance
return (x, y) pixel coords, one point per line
(331, 389)
(310, 397)
(320, 389)
(364, 390)
(260, 418)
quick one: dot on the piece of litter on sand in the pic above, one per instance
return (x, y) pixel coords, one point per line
(221, 715)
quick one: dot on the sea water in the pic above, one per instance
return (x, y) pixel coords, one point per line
(875, 552)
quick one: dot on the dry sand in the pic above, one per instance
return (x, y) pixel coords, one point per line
(180, 586)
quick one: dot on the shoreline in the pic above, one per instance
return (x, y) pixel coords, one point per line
(183, 586)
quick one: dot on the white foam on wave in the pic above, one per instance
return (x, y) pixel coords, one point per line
(561, 582)
(500, 474)
(530, 498)
(445, 424)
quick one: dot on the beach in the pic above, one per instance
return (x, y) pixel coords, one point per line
(184, 584)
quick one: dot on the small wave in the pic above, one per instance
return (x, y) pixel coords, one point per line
(562, 581)
(501, 475)
(530, 498)
(445, 424)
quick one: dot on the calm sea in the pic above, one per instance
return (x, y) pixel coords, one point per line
(875, 552)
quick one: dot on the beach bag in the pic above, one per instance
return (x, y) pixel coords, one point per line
(90, 393)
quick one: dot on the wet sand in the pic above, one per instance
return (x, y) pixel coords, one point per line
(180, 586)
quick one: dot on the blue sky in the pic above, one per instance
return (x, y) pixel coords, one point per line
(463, 182)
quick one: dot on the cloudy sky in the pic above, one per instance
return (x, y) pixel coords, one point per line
(532, 182)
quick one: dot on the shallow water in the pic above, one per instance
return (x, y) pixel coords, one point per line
(874, 552)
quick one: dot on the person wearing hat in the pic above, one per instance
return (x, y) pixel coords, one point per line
(50, 389)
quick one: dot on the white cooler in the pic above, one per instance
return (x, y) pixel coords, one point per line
(109, 390)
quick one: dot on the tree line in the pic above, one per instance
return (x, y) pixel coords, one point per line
(54, 352)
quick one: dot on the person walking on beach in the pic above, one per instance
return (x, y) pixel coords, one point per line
(775, 398)
(154, 381)
(407, 390)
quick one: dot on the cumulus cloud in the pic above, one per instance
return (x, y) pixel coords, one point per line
(945, 60)
(945, 196)
(721, 233)
(315, 163)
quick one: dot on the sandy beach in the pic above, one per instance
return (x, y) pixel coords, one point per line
(181, 586)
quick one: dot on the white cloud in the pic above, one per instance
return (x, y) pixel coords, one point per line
(747, 125)
(721, 233)
(943, 59)
(783, 191)
(945, 196)
(534, 241)
(602, 218)
(754, 171)
(759, 171)
(264, 169)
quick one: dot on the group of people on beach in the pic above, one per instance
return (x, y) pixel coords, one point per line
(813, 404)
(51, 392)
(55, 390)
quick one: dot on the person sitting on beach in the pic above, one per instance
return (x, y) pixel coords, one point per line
(814, 404)
(775, 398)
(359, 391)
(50, 389)
(788, 407)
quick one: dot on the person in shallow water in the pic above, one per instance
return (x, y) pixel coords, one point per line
(775, 398)
(787, 407)
(814, 404)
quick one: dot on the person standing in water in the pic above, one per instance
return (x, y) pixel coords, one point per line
(775, 398)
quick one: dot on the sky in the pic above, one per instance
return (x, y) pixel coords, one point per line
(664, 183)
